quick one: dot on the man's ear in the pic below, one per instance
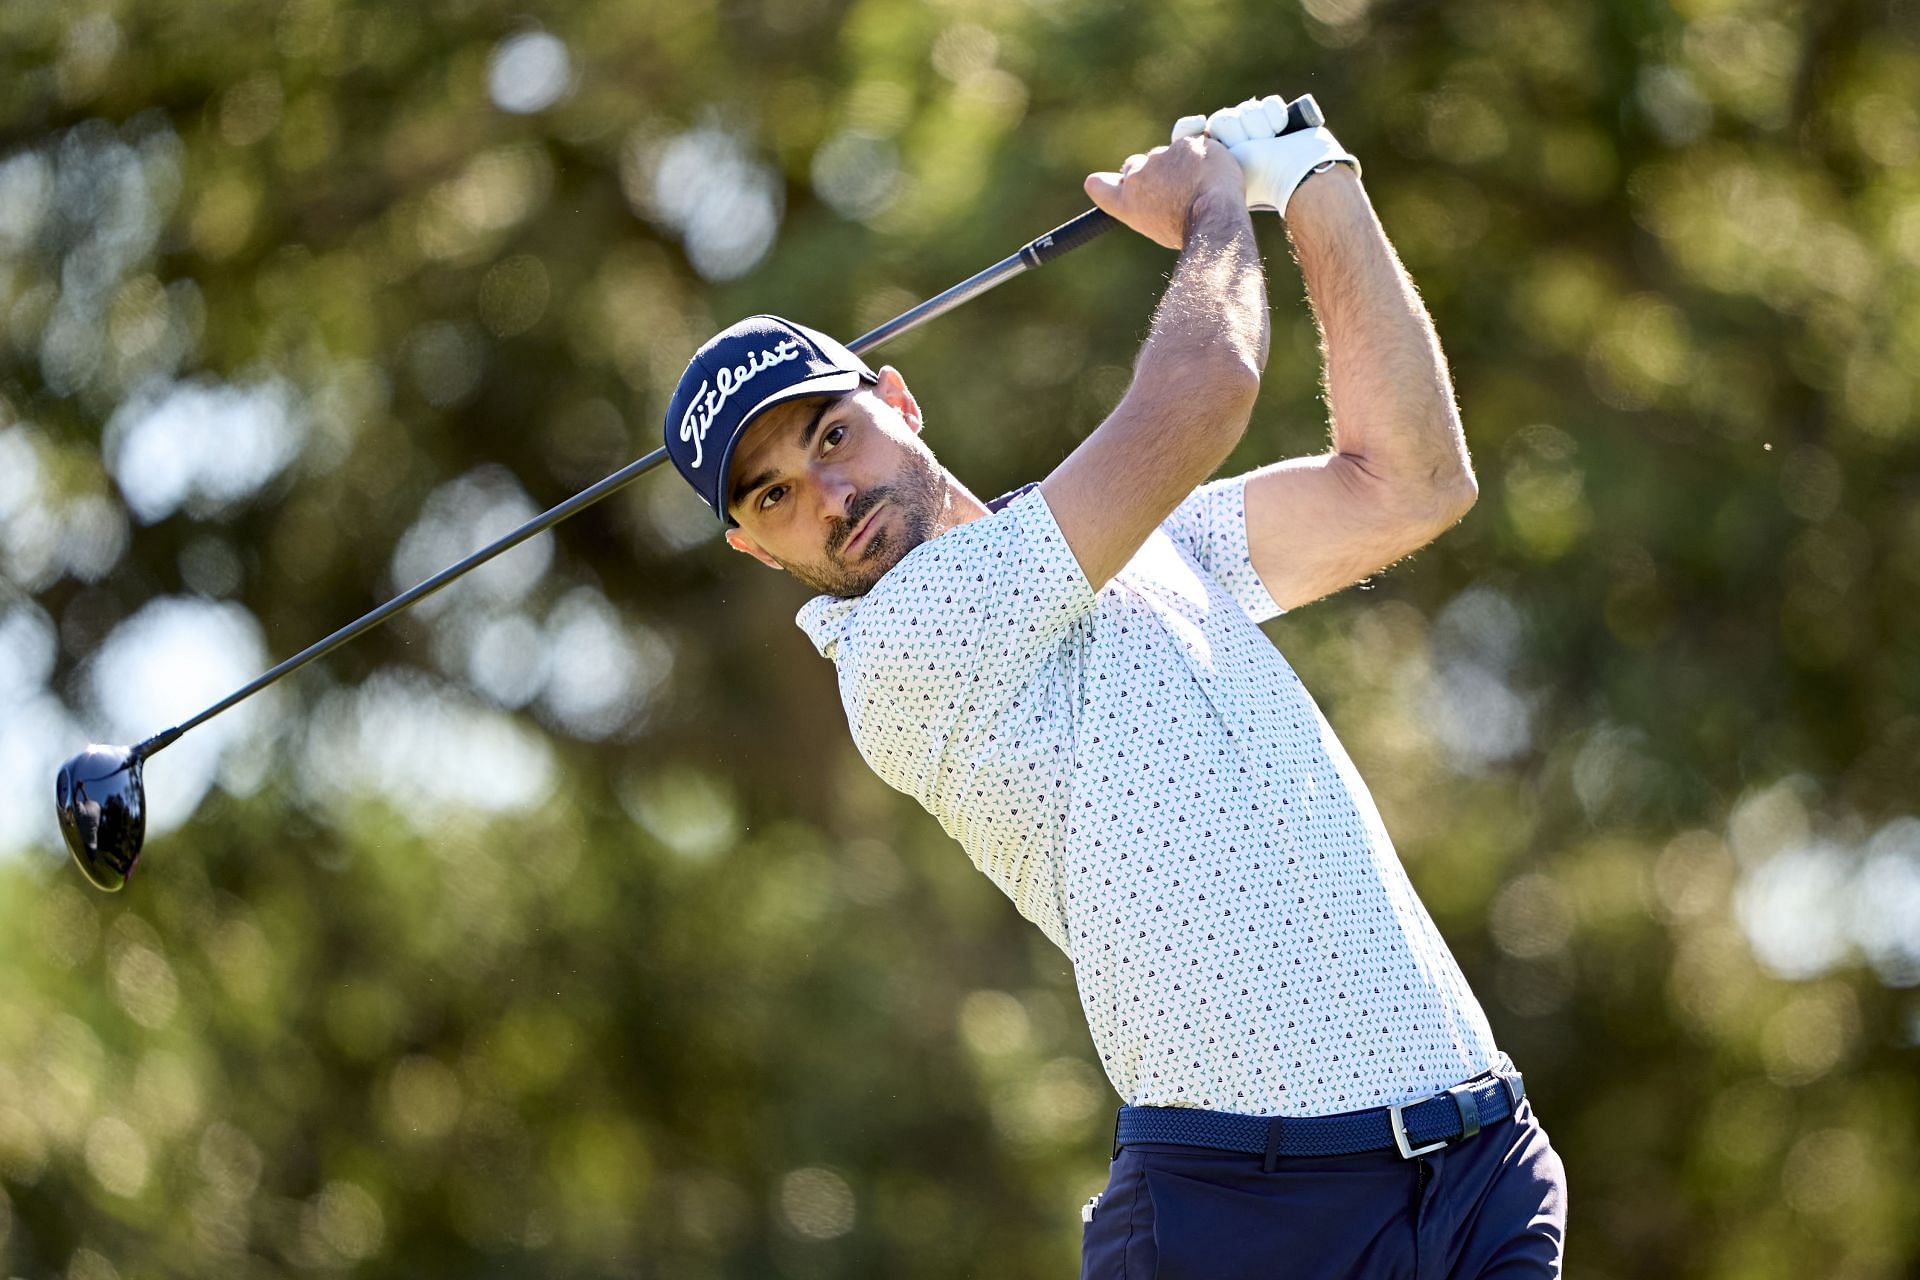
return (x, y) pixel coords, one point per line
(893, 389)
(741, 542)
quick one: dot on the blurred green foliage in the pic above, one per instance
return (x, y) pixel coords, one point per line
(703, 998)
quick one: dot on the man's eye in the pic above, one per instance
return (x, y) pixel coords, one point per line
(832, 437)
(770, 497)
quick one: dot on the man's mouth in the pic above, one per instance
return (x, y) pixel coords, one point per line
(866, 527)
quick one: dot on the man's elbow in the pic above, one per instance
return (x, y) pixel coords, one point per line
(1456, 495)
(1442, 500)
(1451, 485)
(1180, 422)
(1213, 399)
(1237, 384)
(1438, 507)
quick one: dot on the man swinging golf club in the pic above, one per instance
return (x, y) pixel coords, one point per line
(1072, 681)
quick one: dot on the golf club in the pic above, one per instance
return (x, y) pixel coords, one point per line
(100, 794)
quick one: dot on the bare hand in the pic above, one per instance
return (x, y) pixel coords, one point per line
(1154, 193)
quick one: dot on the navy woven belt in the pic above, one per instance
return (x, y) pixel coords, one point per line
(1412, 1128)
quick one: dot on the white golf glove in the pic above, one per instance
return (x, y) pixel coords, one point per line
(1271, 162)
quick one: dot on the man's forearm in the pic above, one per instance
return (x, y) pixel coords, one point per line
(1388, 392)
(1213, 315)
(1199, 371)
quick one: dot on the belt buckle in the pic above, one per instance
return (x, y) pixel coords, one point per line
(1462, 1095)
(1399, 1125)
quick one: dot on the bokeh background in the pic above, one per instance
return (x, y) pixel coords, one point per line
(558, 930)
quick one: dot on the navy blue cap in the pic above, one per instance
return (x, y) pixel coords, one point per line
(740, 373)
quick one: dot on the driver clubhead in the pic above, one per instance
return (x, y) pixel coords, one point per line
(103, 812)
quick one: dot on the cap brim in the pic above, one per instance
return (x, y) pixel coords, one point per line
(839, 382)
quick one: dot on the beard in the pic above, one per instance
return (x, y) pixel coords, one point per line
(918, 495)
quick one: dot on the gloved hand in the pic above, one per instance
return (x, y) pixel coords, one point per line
(1273, 166)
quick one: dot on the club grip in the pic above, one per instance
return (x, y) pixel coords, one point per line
(1302, 113)
(1068, 236)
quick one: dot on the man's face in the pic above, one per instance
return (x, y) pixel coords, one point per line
(835, 490)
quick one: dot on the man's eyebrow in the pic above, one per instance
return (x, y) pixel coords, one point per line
(745, 487)
(826, 405)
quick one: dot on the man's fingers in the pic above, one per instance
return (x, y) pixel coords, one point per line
(1226, 128)
(1275, 108)
(1255, 119)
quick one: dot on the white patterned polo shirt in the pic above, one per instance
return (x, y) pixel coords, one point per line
(1143, 774)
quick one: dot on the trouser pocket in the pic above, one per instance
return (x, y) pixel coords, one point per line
(1109, 1247)
(1205, 1231)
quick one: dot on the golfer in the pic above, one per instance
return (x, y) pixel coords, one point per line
(1071, 679)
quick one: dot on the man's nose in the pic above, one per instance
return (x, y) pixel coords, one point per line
(836, 495)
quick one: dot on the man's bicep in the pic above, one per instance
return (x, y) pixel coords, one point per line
(1318, 525)
(1130, 474)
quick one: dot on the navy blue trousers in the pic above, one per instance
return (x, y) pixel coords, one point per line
(1493, 1206)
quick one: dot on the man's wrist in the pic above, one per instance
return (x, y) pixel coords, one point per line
(1215, 209)
(1330, 193)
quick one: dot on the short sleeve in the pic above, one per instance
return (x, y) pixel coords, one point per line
(1211, 527)
(950, 636)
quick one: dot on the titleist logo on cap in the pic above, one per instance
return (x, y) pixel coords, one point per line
(709, 400)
